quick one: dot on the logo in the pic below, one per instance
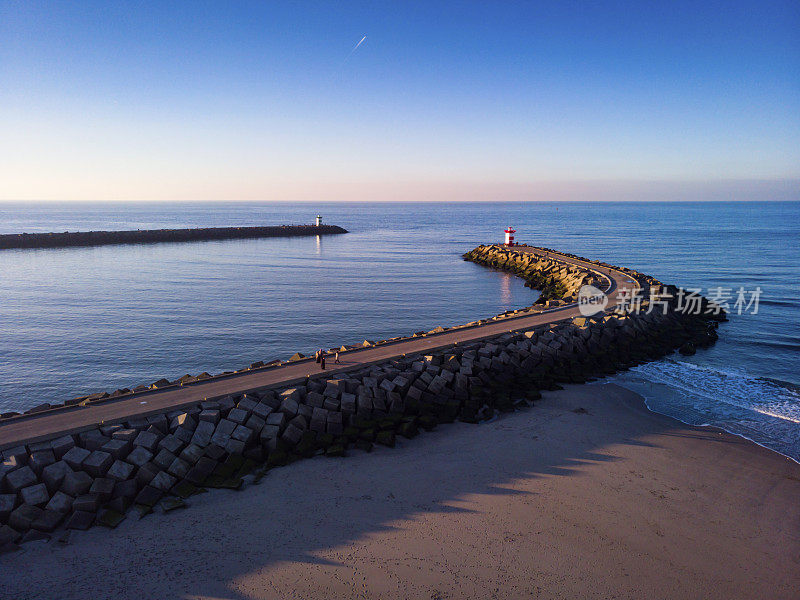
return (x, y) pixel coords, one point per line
(591, 300)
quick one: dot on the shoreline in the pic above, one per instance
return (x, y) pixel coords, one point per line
(586, 494)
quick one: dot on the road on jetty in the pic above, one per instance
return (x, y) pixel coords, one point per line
(73, 419)
(68, 239)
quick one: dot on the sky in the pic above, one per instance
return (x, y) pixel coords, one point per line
(441, 101)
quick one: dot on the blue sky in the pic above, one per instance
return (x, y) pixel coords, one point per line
(259, 100)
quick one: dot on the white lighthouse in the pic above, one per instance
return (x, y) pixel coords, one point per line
(318, 221)
(510, 236)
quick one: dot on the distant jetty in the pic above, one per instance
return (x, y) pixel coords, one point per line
(152, 236)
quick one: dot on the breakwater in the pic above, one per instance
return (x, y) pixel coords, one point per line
(152, 236)
(97, 475)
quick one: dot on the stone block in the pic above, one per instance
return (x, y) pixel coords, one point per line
(7, 536)
(53, 475)
(60, 502)
(62, 445)
(171, 443)
(159, 422)
(75, 457)
(139, 456)
(315, 399)
(331, 403)
(35, 495)
(163, 481)
(348, 403)
(92, 440)
(117, 448)
(214, 452)
(18, 453)
(20, 478)
(81, 520)
(163, 459)
(97, 463)
(299, 422)
(318, 420)
(147, 440)
(223, 432)
(120, 470)
(76, 483)
(183, 434)
(305, 410)
(22, 517)
(270, 432)
(225, 404)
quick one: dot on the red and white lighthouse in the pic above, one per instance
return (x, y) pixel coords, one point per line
(510, 236)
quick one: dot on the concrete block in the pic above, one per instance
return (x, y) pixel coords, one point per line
(243, 434)
(35, 495)
(262, 410)
(163, 459)
(178, 468)
(315, 399)
(18, 453)
(223, 432)
(60, 502)
(102, 487)
(305, 410)
(291, 393)
(247, 403)
(81, 520)
(255, 423)
(53, 475)
(108, 430)
(270, 432)
(184, 420)
(7, 536)
(331, 403)
(269, 398)
(117, 448)
(225, 404)
(147, 440)
(210, 415)
(62, 445)
(126, 489)
(139, 424)
(203, 434)
(47, 521)
(22, 517)
(38, 447)
(292, 435)
(159, 422)
(139, 456)
(86, 503)
(126, 435)
(348, 403)
(289, 407)
(183, 434)
(120, 470)
(299, 422)
(278, 419)
(7, 504)
(76, 483)
(163, 481)
(238, 416)
(98, 463)
(191, 454)
(171, 443)
(75, 457)
(234, 446)
(20, 478)
(92, 440)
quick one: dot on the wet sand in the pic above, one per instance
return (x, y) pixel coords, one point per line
(587, 495)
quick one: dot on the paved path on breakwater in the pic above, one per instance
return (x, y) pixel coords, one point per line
(72, 419)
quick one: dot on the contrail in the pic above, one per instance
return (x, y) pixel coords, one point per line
(361, 41)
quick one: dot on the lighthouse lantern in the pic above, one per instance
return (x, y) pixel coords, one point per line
(510, 236)
(319, 221)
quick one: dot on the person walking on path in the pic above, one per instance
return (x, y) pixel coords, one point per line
(336, 358)
(317, 355)
(322, 362)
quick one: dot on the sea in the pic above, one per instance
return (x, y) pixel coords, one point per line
(80, 320)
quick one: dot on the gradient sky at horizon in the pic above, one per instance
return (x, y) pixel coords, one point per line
(259, 100)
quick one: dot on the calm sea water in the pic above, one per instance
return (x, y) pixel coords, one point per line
(80, 320)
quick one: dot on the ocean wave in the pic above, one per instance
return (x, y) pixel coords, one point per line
(766, 411)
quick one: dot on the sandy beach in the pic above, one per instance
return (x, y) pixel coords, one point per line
(586, 495)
